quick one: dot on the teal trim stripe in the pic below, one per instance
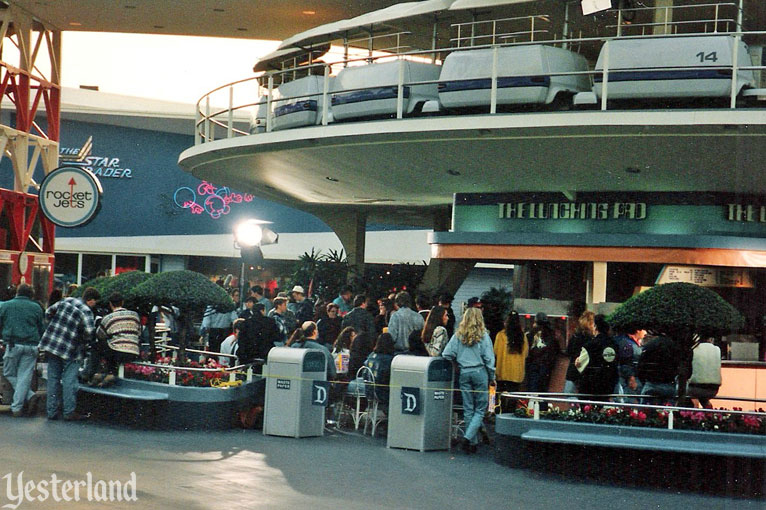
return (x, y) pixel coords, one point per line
(618, 240)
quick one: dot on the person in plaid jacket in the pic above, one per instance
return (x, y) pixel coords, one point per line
(70, 329)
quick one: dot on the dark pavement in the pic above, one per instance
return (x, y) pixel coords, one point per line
(244, 469)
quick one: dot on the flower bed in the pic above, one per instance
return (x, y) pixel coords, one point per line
(721, 420)
(194, 378)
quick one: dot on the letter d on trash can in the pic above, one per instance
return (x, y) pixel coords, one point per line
(320, 391)
(410, 400)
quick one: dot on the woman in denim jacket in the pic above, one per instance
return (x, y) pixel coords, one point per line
(471, 348)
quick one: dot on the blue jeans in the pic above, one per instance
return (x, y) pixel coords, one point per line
(666, 392)
(538, 377)
(571, 387)
(474, 385)
(62, 375)
(18, 367)
(625, 389)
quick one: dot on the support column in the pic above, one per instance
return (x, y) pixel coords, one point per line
(596, 285)
(445, 275)
(350, 225)
(663, 15)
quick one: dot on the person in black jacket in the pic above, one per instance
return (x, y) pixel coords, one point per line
(600, 374)
(257, 336)
(379, 363)
(329, 327)
(658, 368)
(359, 318)
(586, 331)
(542, 354)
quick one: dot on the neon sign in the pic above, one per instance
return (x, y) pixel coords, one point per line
(216, 202)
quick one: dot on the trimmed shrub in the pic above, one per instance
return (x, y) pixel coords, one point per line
(678, 309)
(187, 290)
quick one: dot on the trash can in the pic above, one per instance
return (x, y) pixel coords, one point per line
(296, 392)
(420, 405)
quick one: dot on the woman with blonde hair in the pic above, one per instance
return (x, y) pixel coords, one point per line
(585, 332)
(471, 348)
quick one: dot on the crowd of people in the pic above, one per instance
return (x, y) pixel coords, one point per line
(354, 332)
(633, 368)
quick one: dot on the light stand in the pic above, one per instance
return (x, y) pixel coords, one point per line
(249, 236)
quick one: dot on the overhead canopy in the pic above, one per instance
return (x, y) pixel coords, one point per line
(273, 60)
(392, 13)
(322, 32)
(360, 24)
(477, 4)
(400, 11)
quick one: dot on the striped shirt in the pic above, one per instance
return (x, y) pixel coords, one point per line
(70, 328)
(120, 329)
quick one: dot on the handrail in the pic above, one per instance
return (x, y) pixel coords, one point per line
(671, 8)
(493, 36)
(207, 120)
(257, 361)
(536, 398)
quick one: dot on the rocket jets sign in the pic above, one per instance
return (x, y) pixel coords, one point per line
(70, 196)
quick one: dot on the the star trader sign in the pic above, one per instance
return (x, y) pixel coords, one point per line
(70, 196)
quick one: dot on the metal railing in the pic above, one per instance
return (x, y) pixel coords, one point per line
(535, 399)
(494, 30)
(245, 369)
(209, 121)
(669, 25)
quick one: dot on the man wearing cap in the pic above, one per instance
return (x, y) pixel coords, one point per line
(302, 308)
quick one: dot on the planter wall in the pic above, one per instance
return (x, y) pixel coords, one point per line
(151, 405)
(732, 464)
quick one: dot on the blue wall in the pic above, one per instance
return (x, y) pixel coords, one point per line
(145, 190)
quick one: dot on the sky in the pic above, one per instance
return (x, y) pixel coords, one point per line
(171, 68)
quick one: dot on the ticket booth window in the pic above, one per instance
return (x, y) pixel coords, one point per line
(94, 266)
(66, 267)
(125, 263)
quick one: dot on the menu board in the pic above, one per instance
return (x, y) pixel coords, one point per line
(707, 276)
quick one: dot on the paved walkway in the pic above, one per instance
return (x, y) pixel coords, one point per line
(243, 469)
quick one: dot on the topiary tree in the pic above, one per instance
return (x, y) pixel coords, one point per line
(96, 283)
(189, 291)
(125, 283)
(682, 312)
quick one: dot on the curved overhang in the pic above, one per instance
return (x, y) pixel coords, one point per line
(421, 162)
(727, 251)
